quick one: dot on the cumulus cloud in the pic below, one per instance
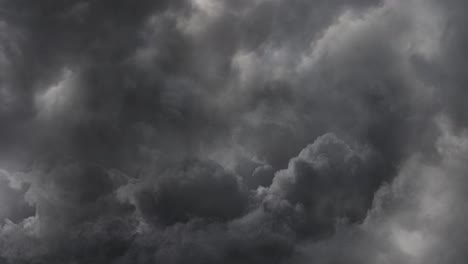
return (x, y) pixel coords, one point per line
(194, 189)
(415, 219)
(328, 181)
(201, 131)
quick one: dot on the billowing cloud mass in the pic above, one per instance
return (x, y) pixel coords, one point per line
(233, 131)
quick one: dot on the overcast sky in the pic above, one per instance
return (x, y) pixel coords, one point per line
(233, 131)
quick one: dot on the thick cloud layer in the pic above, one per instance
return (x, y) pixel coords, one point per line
(203, 131)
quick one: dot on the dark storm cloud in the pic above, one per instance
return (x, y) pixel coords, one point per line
(201, 131)
(194, 189)
(328, 180)
(419, 218)
(166, 64)
(14, 206)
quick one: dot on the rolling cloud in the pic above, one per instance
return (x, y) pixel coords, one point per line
(222, 131)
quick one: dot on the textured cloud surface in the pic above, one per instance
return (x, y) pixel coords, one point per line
(233, 131)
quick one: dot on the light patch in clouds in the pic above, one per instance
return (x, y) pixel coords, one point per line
(205, 13)
(412, 243)
(210, 7)
(56, 99)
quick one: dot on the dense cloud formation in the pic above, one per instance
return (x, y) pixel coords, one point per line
(223, 131)
(198, 189)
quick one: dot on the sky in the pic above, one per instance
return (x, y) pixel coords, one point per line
(233, 131)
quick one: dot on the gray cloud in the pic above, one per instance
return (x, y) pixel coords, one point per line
(416, 219)
(193, 189)
(326, 182)
(201, 131)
